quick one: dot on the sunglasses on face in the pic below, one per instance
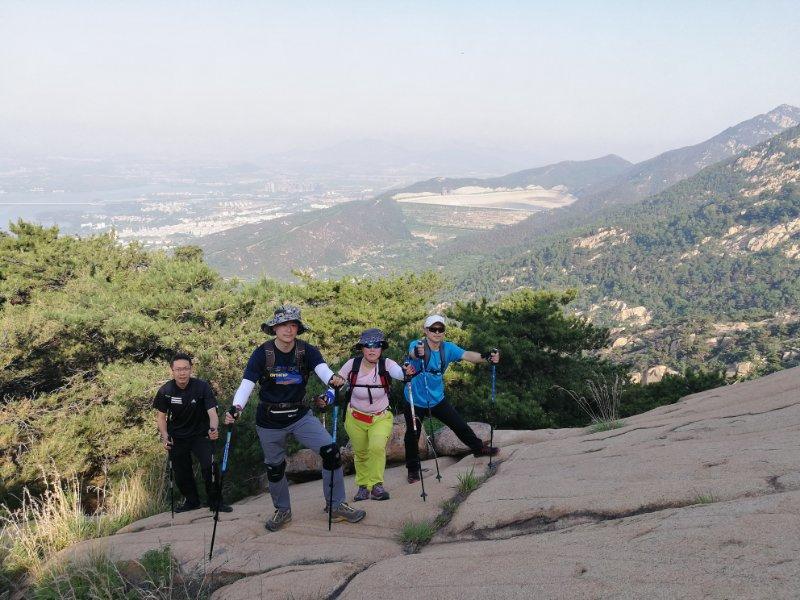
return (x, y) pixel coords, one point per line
(372, 345)
(436, 329)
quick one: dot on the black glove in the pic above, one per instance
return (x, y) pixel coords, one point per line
(488, 355)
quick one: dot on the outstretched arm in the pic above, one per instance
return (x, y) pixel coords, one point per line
(478, 358)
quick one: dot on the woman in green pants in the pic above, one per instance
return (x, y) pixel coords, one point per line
(369, 420)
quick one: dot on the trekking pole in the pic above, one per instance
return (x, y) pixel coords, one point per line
(494, 408)
(222, 470)
(423, 495)
(171, 483)
(334, 425)
(429, 440)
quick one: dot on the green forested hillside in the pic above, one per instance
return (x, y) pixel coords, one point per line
(719, 243)
(602, 202)
(318, 241)
(720, 247)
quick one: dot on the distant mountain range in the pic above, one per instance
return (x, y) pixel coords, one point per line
(577, 176)
(713, 260)
(721, 223)
(628, 187)
(373, 237)
(656, 174)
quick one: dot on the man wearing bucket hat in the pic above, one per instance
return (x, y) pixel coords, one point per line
(430, 357)
(282, 366)
(369, 421)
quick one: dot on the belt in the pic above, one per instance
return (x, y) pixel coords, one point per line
(366, 417)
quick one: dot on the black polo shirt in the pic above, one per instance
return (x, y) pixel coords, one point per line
(186, 409)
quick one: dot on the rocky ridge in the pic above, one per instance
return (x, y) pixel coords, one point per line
(697, 499)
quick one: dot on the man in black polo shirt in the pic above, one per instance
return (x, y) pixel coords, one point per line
(282, 367)
(187, 422)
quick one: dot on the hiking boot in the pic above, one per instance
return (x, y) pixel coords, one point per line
(226, 508)
(378, 493)
(187, 506)
(487, 450)
(279, 519)
(345, 512)
(361, 494)
(413, 477)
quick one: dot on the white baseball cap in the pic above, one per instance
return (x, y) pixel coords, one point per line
(434, 319)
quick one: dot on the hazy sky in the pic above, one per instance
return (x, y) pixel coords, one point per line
(242, 79)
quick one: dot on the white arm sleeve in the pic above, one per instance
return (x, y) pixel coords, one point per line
(395, 370)
(242, 395)
(324, 372)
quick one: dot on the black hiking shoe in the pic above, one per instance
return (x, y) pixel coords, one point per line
(226, 508)
(413, 477)
(187, 506)
(486, 450)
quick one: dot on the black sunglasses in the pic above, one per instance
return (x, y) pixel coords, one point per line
(436, 329)
(372, 345)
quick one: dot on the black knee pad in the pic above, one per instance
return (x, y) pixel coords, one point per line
(331, 457)
(275, 472)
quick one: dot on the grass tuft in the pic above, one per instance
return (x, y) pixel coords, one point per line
(416, 534)
(467, 482)
(158, 578)
(32, 534)
(708, 498)
(599, 426)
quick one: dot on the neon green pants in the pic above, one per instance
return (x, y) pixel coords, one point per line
(369, 446)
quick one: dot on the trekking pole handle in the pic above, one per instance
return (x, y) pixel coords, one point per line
(419, 349)
(487, 356)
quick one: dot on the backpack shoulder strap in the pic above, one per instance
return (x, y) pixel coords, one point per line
(269, 354)
(354, 370)
(427, 358)
(352, 378)
(386, 381)
(300, 358)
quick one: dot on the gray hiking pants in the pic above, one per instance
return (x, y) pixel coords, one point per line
(309, 432)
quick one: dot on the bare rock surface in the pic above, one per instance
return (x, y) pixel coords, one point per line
(447, 444)
(694, 500)
(739, 549)
(727, 443)
(395, 447)
(700, 499)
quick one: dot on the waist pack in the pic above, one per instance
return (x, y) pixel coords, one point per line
(285, 409)
(365, 417)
